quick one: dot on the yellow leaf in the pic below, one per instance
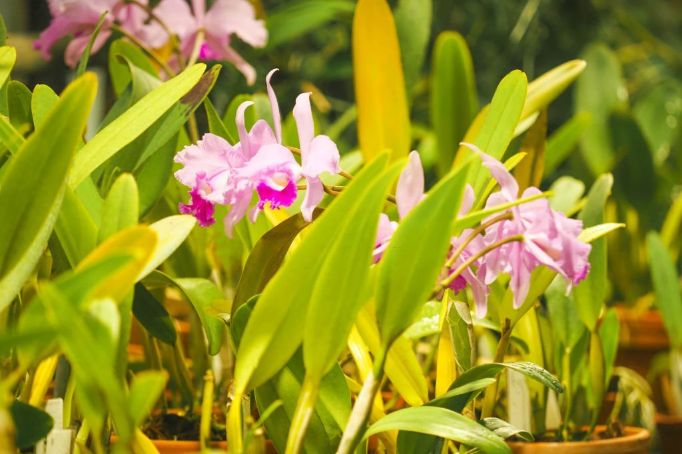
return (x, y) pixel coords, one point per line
(383, 117)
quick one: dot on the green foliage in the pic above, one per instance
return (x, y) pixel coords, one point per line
(667, 287)
(30, 423)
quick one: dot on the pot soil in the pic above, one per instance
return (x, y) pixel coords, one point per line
(634, 441)
(669, 433)
(642, 336)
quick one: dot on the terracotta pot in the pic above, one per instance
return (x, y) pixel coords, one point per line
(172, 446)
(635, 441)
(669, 433)
(642, 336)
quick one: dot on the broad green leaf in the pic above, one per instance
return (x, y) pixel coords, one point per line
(564, 140)
(454, 100)
(75, 228)
(667, 287)
(132, 123)
(414, 257)
(265, 259)
(171, 233)
(118, 68)
(505, 430)
(8, 56)
(3, 31)
(43, 99)
(444, 423)
(339, 292)
(428, 321)
(590, 294)
(331, 409)
(566, 193)
(599, 91)
(32, 186)
(413, 24)
(215, 123)
(31, 424)
(659, 113)
(275, 328)
(145, 390)
(493, 128)
(383, 117)
(567, 328)
(296, 18)
(207, 300)
(546, 88)
(85, 56)
(597, 374)
(141, 243)
(671, 232)
(19, 103)
(153, 316)
(121, 207)
(9, 136)
(608, 333)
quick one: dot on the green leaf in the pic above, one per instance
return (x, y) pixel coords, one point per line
(265, 259)
(566, 193)
(599, 91)
(215, 123)
(9, 136)
(331, 409)
(118, 67)
(153, 316)
(75, 228)
(32, 186)
(567, 328)
(454, 100)
(608, 333)
(505, 430)
(276, 326)
(19, 103)
(145, 390)
(207, 300)
(120, 208)
(444, 423)
(493, 129)
(31, 424)
(43, 99)
(85, 56)
(3, 32)
(667, 287)
(659, 113)
(339, 292)
(590, 294)
(414, 257)
(132, 123)
(427, 323)
(564, 140)
(8, 56)
(383, 116)
(171, 232)
(297, 18)
(671, 231)
(413, 24)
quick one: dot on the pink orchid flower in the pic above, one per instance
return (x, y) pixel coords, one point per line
(214, 28)
(78, 18)
(319, 154)
(549, 237)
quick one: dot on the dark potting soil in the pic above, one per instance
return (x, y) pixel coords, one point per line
(171, 426)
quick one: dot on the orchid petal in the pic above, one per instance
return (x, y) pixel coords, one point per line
(508, 184)
(303, 115)
(241, 127)
(313, 196)
(410, 189)
(323, 157)
(274, 106)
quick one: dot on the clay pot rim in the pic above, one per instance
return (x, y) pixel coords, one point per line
(667, 418)
(632, 434)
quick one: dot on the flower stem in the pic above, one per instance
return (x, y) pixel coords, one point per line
(481, 228)
(445, 282)
(304, 410)
(234, 425)
(198, 42)
(206, 410)
(361, 410)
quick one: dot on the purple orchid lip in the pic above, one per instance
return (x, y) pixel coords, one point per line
(200, 208)
(274, 197)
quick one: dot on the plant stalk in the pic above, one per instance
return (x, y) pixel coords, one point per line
(363, 406)
(304, 410)
(491, 392)
(206, 410)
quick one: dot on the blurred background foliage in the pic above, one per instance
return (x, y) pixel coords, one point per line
(622, 116)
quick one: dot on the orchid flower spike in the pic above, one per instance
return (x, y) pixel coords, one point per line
(208, 34)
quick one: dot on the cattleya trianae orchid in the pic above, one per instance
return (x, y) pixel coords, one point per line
(224, 174)
(203, 34)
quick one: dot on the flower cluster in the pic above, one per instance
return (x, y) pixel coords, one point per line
(203, 34)
(514, 242)
(258, 165)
